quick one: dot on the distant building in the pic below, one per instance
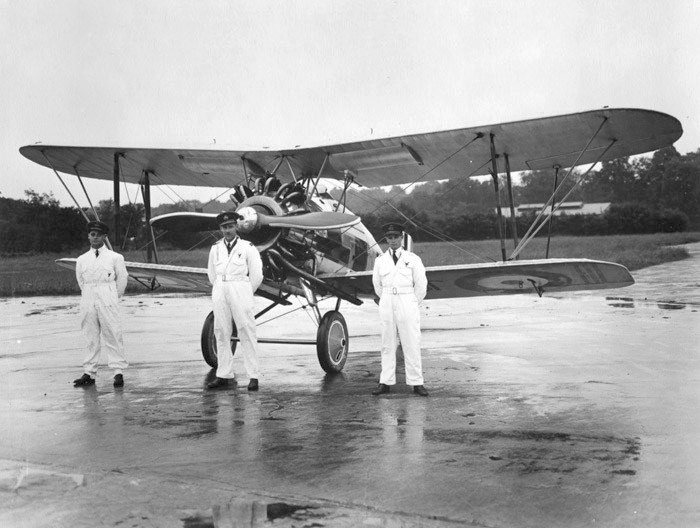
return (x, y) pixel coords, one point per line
(565, 208)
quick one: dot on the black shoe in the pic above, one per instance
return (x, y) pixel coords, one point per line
(420, 390)
(381, 389)
(84, 381)
(118, 380)
(218, 383)
(253, 384)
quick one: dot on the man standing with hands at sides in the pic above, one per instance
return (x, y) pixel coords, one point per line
(102, 278)
(235, 271)
(400, 283)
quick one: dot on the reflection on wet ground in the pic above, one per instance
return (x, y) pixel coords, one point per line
(336, 435)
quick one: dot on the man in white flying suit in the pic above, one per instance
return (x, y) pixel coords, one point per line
(400, 283)
(102, 278)
(235, 270)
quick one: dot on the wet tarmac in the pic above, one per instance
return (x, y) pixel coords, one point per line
(572, 410)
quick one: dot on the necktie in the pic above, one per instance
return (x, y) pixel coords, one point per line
(97, 253)
(393, 255)
(231, 246)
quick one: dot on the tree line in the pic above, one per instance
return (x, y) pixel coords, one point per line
(660, 193)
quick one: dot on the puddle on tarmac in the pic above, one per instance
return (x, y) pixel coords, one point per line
(39, 311)
(670, 305)
(629, 302)
(620, 302)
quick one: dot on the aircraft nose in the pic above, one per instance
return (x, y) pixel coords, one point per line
(249, 220)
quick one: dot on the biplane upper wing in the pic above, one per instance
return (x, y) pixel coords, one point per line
(530, 144)
(503, 278)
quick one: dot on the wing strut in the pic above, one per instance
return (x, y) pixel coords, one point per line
(494, 174)
(274, 171)
(349, 178)
(289, 166)
(513, 223)
(320, 172)
(117, 205)
(551, 213)
(85, 216)
(65, 186)
(87, 196)
(146, 192)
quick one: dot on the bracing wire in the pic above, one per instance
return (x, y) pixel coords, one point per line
(292, 310)
(532, 232)
(161, 183)
(440, 236)
(195, 245)
(435, 234)
(445, 160)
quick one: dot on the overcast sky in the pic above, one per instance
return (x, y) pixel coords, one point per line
(248, 74)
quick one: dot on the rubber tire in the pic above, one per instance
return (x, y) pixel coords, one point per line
(208, 341)
(332, 342)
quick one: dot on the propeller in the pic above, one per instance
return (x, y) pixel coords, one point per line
(192, 222)
(253, 219)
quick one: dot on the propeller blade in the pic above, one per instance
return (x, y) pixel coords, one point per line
(320, 220)
(186, 222)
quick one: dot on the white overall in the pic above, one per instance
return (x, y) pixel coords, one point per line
(235, 277)
(400, 288)
(102, 280)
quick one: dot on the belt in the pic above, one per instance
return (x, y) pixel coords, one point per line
(98, 282)
(232, 278)
(398, 291)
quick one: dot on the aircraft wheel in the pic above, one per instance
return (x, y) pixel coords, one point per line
(332, 342)
(209, 341)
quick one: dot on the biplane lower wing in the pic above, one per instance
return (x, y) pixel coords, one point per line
(524, 276)
(444, 282)
(155, 276)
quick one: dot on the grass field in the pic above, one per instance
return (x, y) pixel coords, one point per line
(39, 275)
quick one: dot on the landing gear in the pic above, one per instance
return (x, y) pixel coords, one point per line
(209, 341)
(332, 342)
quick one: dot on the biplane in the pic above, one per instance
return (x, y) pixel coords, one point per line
(315, 248)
